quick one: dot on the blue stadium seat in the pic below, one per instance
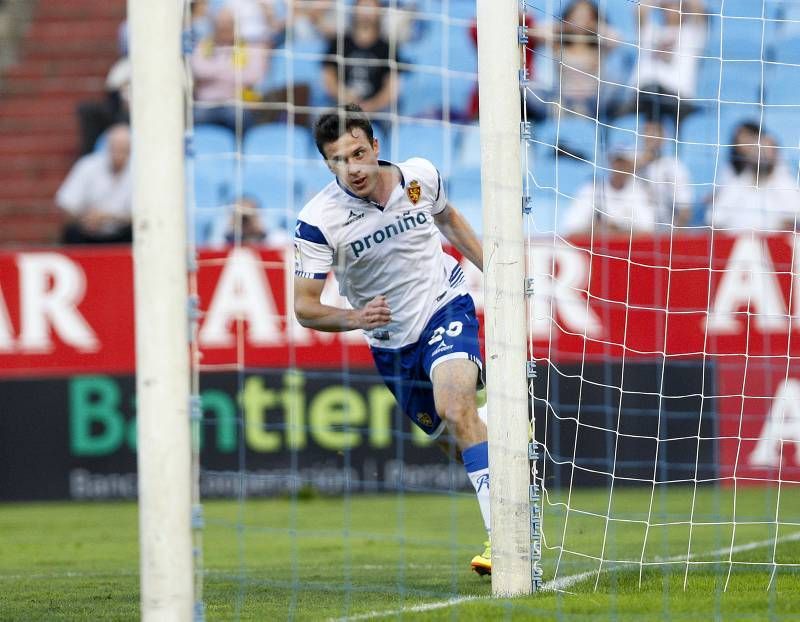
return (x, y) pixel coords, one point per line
(213, 139)
(623, 17)
(737, 38)
(421, 94)
(278, 139)
(214, 168)
(427, 49)
(214, 176)
(277, 71)
(464, 192)
(432, 141)
(730, 80)
(312, 176)
(272, 184)
(462, 9)
(782, 123)
(787, 48)
(573, 133)
(469, 149)
(462, 55)
(716, 124)
(781, 84)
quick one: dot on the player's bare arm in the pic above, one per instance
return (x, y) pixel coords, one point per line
(460, 234)
(312, 313)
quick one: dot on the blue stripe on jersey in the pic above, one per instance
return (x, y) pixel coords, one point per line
(438, 185)
(309, 233)
(456, 276)
(311, 275)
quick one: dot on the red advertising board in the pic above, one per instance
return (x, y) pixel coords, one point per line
(71, 311)
(735, 301)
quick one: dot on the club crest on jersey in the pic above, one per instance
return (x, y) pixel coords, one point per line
(425, 419)
(414, 191)
(352, 217)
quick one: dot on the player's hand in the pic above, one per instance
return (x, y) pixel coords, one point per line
(375, 313)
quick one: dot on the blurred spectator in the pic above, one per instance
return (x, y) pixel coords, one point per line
(616, 204)
(579, 41)
(366, 77)
(256, 21)
(671, 39)
(226, 71)
(670, 188)
(94, 118)
(243, 224)
(757, 192)
(96, 195)
(314, 18)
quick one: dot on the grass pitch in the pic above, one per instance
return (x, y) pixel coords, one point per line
(407, 557)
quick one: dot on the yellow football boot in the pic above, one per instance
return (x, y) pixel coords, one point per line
(482, 564)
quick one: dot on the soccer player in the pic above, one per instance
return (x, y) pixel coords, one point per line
(377, 227)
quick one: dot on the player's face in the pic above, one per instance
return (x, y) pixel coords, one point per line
(354, 161)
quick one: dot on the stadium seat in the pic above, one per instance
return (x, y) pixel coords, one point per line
(782, 123)
(421, 93)
(571, 133)
(277, 71)
(464, 192)
(462, 9)
(428, 140)
(427, 49)
(213, 181)
(213, 168)
(278, 139)
(730, 80)
(273, 185)
(787, 47)
(781, 84)
(213, 139)
(459, 94)
(735, 38)
(715, 124)
(312, 176)
(469, 148)
(462, 55)
(623, 19)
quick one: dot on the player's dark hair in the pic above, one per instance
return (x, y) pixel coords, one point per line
(334, 123)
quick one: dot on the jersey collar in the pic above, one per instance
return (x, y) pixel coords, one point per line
(347, 191)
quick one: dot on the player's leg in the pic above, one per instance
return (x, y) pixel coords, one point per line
(454, 383)
(454, 395)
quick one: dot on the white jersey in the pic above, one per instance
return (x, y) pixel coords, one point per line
(394, 250)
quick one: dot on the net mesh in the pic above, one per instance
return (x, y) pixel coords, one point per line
(662, 177)
(664, 405)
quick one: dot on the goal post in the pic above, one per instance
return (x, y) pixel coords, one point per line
(160, 286)
(504, 275)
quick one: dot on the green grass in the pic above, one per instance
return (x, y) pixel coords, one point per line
(329, 558)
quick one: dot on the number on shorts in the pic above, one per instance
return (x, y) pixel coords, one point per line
(452, 331)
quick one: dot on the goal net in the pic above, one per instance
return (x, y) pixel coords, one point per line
(660, 199)
(662, 173)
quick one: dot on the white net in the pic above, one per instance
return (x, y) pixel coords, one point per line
(662, 170)
(332, 509)
(661, 248)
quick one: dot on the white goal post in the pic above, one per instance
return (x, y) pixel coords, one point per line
(505, 310)
(160, 269)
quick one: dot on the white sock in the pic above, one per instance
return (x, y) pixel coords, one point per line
(476, 462)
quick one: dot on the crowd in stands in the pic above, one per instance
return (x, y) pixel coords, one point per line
(621, 105)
